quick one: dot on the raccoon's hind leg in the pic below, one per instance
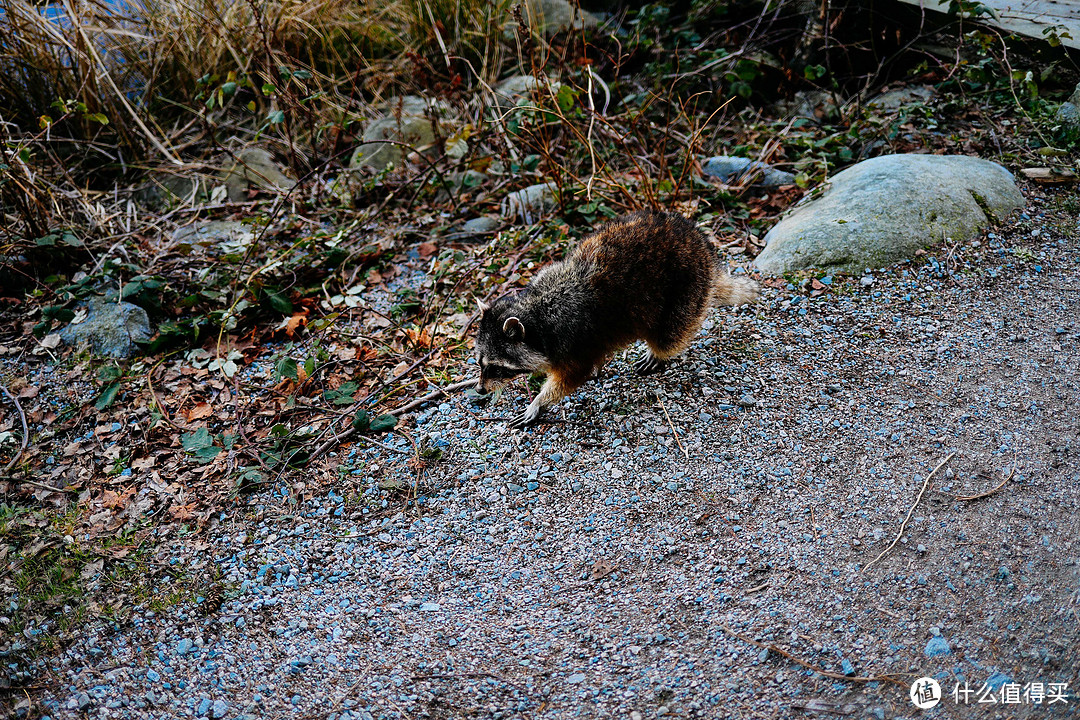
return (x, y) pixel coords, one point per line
(662, 349)
(649, 364)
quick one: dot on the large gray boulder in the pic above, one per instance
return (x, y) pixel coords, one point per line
(885, 209)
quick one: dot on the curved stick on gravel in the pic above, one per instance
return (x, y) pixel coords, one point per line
(808, 666)
(911, 510)
(25, 432)
(988, 493)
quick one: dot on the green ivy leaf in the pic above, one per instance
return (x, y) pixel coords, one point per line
(343, 395)
(200, 445)
(361, 420)
(382, 423)
(280, 303)
(107, 396)
(286, 368)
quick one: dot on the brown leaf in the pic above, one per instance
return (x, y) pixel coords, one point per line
(182, 512)
(601, 569)
(200, 411)
(426, 249)
(30, 391)
(110, 499)
(144, 463)
(295, 322)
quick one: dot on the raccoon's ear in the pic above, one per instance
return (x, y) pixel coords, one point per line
(514, 329)
(484, 307)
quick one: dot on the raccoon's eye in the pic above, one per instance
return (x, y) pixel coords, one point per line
(498, 372)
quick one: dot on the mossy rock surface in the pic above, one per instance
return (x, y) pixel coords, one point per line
(887, 208)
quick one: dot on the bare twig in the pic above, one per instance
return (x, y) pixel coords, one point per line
(673, 430)
(337, 439)
(808, 666)
(988, 493)
(25, 431)
(432, 395)
(911, 510)
(35, 483)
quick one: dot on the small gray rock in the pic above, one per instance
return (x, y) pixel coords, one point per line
(1069, 111)
(213, 233)
(110, 328)
(866, 281)
(254, 169)
(184, 646)
(732, 170)
(518, 89)
(529, 203)
(430, 607)
(747, 401)
(899, 99)
(576, 679)
(478, 227)
(813, 104)
(552, 16)
(1069, 114)
(83, 701)
(220, 709)
(381, 143)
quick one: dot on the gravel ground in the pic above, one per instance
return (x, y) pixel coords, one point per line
(615, 563)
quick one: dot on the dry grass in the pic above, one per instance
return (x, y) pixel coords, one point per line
(89, 90)
(131, 64)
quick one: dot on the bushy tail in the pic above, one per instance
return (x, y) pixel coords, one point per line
(734, 290)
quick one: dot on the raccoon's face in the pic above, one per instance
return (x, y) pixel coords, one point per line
(501, 347)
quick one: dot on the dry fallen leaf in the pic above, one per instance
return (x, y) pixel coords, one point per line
(200, 411)
(601, 569)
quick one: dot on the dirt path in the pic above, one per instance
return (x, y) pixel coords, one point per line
(635, 559)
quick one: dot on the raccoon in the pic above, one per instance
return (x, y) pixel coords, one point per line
(645, 276)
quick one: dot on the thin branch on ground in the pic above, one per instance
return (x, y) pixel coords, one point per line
(911, 510)
(988, 493)
(25, 431)
(808, 666)
(432, 395)
(673, 430)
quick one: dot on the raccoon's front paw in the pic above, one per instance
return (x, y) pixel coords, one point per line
(525, 419)
(649, 364)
